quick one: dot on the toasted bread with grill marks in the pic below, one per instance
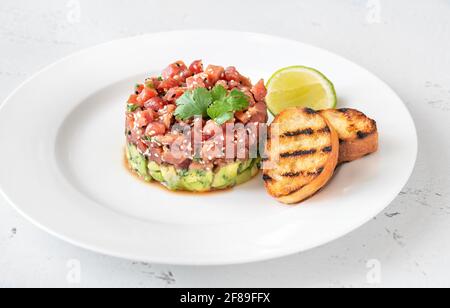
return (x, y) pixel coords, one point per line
(302, 152)
(358, 135)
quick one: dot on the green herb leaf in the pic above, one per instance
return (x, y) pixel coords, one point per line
(193, 103)
(218, 108)
(238, 100)
(218, 93)
(217, 104)
(224, 118)
(223, 110)
(132, 107)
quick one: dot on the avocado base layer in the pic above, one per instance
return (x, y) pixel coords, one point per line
(228, 176)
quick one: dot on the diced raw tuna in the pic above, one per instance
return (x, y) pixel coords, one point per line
(197, 81)
(167, 115)
(214, 73)
(155, 103)
(258, 113)
(174, 70)
(167, 84)
(196, 67)
(259, 91)
(146, 95)
(155, 129)
(231, 73)
(143, 118)
(173, 94)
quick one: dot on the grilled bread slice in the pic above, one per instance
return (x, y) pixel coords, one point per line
(302, 153)
(358, 135)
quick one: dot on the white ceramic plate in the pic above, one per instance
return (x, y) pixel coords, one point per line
(61, 159)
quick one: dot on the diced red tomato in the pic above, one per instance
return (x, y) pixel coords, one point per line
(196, 67)
(145, 117)
(214, 73)
(232, 74)
(145, 95)
(155, 129)
(197, 81)
(173, 94)
(133, 99)
(174, 69)
(259, 91)
(168, 84)
(156, 103)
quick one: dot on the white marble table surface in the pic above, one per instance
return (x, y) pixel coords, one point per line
(405, 42)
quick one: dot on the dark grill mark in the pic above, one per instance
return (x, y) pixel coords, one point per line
(310, 111)
(362, 135)
(302, 173)
(307, 131)
(298, 153)
(343, 110)
(292, 174)
(266, 178)
(326, 129)
(327, 149)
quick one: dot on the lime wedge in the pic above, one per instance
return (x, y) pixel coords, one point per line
(299, 86)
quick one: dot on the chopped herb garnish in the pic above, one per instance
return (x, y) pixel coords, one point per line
(193, 103)
(216, 104)
(224, 107)
(132, 107)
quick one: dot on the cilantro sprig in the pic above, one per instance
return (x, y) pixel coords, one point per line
(216, 104)
(193, 103)
(223, 109)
